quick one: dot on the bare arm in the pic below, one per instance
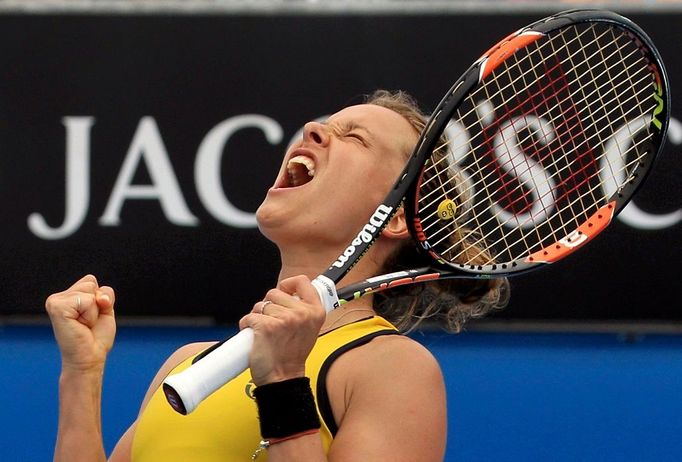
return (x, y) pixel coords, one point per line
(80, 431)
(390, 401)
(395, 406)
(83, 322)
(82, 318)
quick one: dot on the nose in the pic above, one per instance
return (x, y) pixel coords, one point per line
(315, 132)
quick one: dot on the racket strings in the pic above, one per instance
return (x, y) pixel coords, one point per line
(579, 192)
(480, 133)
(547, 238)
(487, 183)
(579, 198)
(476, 107)
(484, 179)
(575, 68)
(541, 243)
(512, 159)
(537, 99)
(536, 53)
(571, 204)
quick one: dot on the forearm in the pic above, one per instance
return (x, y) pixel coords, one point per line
(79, 436)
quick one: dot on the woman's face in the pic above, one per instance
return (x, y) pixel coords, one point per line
(333, 179)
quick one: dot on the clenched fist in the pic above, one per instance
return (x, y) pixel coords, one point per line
(82, 318)
(285, 330)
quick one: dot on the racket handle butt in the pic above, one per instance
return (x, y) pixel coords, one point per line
(174, 399)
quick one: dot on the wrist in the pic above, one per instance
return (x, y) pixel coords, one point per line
(81, 379)
(286, 408)
(74, 371)
(277, 377)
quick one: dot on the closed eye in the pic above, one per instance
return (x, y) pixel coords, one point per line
(356, 136)
(354, 131)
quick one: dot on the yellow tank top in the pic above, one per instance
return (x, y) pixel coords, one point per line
(224, 427)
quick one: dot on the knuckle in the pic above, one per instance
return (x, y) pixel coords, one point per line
(272, 293)
(268, 328)
(90, 278)
(108, 290)
(89, 286)
(50, 302)
(320, 320)
(318, 317)
(55, 301)
(302, 278)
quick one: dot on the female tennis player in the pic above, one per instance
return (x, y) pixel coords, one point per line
(346, 386)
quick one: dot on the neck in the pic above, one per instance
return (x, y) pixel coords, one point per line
(297, 261)
(314, 261)
(346, 315)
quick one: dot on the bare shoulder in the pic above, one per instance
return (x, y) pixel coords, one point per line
(177, 357)
(397, 344)
(398, 351)
(375, 388)
(394, 359)
(183, 353)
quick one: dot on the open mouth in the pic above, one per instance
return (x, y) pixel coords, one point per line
(300, 170)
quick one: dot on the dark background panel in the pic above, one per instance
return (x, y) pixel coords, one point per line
(190, 73)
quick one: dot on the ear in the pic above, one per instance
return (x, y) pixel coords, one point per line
(397, 227)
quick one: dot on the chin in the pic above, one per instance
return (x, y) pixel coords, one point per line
(273, 222)
(265, 218)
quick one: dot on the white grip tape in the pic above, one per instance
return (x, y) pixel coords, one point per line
(327, 291)
(203, 378)
(196, 383)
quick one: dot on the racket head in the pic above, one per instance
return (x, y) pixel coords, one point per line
(552, 131)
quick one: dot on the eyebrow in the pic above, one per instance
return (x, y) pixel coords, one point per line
(349, 126)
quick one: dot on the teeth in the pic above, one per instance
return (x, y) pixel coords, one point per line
(307, 162)
(295, 170)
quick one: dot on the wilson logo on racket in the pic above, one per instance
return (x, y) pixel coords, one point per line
(574, 239)
(376, 222)
(419, 234)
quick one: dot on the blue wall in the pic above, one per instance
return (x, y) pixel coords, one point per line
(559, 397)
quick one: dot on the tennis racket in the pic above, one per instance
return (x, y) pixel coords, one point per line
(551, 133)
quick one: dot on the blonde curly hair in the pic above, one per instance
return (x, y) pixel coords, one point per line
(448, 302)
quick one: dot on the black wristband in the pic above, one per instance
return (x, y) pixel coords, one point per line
(286, 408)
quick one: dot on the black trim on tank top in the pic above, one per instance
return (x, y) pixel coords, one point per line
(208, 350)
(217, 344)
(323, 403)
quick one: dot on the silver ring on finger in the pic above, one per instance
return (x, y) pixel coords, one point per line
(262, 308)
(78, 302)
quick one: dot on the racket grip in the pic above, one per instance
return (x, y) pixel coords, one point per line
(326, 289)
(187, 389)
